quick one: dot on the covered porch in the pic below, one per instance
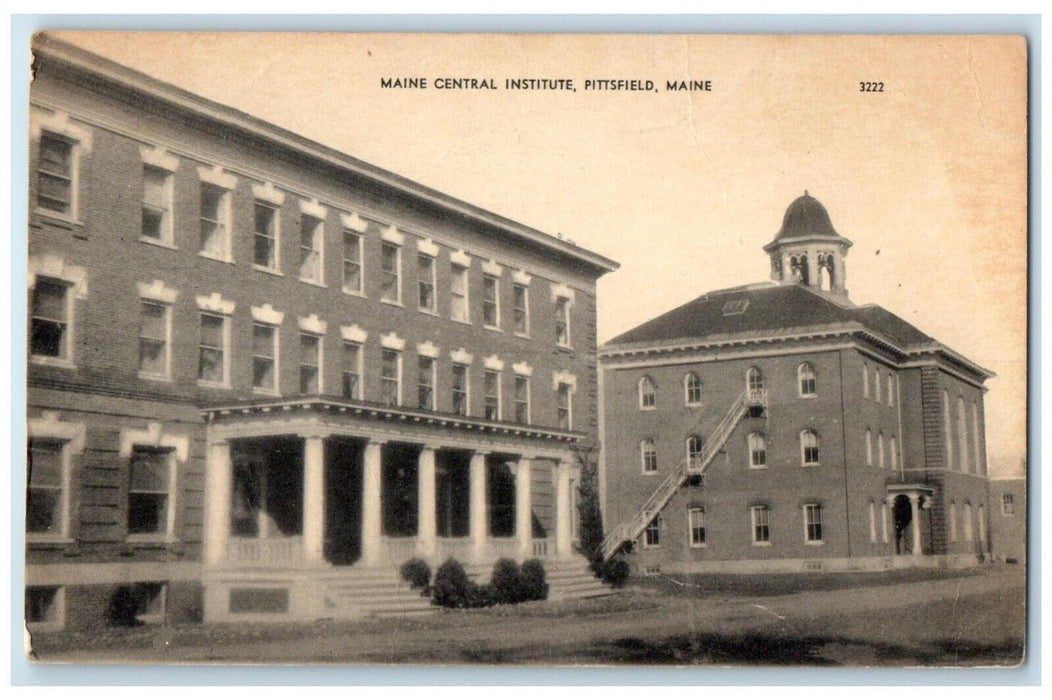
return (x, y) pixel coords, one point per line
(318, 484)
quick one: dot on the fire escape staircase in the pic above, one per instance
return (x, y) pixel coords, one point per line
(628, 531)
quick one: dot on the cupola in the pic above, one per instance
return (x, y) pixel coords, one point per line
(807, 249)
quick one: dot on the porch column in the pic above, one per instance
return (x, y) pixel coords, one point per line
(478, 524)
(523, 507)
(563, 511)
(314, 498)
(427, 529)
(371, 513)
(915, 516)
(219, 481)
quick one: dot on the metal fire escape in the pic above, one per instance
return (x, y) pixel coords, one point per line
(749, 401)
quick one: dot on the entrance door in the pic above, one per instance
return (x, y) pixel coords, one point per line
(903, 515)
(343, 501)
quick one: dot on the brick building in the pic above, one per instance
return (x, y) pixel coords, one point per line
(780, 426)
(1008, 514)
(263, 374)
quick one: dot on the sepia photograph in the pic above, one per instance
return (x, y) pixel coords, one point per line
(526, 350)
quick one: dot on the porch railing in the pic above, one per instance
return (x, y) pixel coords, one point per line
(540, 547)
(400, 549)
(276, 551)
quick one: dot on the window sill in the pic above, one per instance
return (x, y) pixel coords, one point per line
(495, 329)
(703, 545)
(54, 540)
(155, 377)
(815, 543)
(811, 465)
(758, 467)
(354, 293)
(52, 361)
(393, 302)
(651, 473)
(692, 405)
(761, 544)
(524, 336)
(159, 244)
(157, 539)
(648, 408)
(807, 396)
(560, 346)
(57, 626)
(461, 320)
(212, 256)
(652, 546)
(212, 385)
(429, 312)
(314, 283)
(265, 392)
(56, 219)
(268, 270)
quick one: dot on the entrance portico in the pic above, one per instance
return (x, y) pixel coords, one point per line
(316, 483)
(918, 497)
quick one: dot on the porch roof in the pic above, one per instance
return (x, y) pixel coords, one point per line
(337, 406)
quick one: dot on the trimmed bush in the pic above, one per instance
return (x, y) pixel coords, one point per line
(506, 582)
(416, 572)
(532, 580)
(452, 587)
(615, 572)
(480, 596)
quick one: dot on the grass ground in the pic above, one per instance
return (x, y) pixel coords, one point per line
(914, 618)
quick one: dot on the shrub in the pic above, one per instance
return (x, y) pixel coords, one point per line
(480, 596)
(615, 572)
(506, 582)
(416, 572)
(452, 587)
(532, 580)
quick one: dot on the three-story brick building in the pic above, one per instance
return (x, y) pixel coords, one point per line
(257, 364)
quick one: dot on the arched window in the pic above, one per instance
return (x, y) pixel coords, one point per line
(691, 389)
(982, 528)
(695, 446)
(648, 455)
(947, 428)
(647, 393)
(876, 385)
(757, 450)
(977, 432)
(872, 522)
(893, 446)
(869, 447)
(806, 374)
(962, 436)
(968, 532)
(880, 449)
(953, 521)
(754, 379)
(798, 268)
(808, 448)
(865, 380)
(893, 379)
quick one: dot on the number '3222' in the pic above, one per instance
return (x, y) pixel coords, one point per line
(870, 87)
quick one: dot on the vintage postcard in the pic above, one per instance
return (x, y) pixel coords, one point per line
(536, 350)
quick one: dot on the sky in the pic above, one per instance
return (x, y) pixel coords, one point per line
(927, 178)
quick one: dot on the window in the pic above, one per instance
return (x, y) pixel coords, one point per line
(564, 406)
(976, 433)
(425, 382)
(157, 205)
(893, 447)
(652, 532)
(880, 450)
(390, 273)
(264, 357)
(761, 525)
(147, 600)
(876, 385)
(45, 608)
(265, 239)
(491, 394)
(154, 330)
(562, 321)
(806, 375)
(872, 522)
(46, 504)
(390, 377)
(426, 280)
(55, 173)
(352, 371)
(214, 218)
(49, 326)
(522, 399)
(1007, 504)
(892, 381)
(520, 313)
(757, 450)
(648, 455)
(695, 449)
(968, 532)
(947, 428)
(352, 262)
(812, 523)
(869, 448)
(962, 436)
(148, 491)
(865, 380)
(696, 523)
(212, 351)
(490, 301)
(953, 521)
(647, 393)
(458, 294)
(754, 379)
(312, 249)
(735, 307)
(692, 389)
(808, 448)
(460, 389)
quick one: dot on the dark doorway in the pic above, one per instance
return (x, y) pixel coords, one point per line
(267, 498)
(903, 517)
(400, 465)
(452, 497)
(343, 500)
(501, 497)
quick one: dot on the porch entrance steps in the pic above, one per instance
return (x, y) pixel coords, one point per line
(361, 592)
(628, 531)
(568, 579)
